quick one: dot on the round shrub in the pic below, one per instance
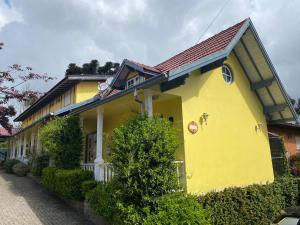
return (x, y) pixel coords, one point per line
(20, 169)
(38, 163)
(62, 137)
(143, 151)
(8, 165)
(178, 209)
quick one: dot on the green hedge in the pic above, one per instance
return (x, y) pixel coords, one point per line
(252, 205)
(87, 186)
(8, 165)
(179, 208)
(67, 183)
(38, 164)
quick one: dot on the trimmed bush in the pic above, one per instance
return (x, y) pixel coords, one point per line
(252, 205)
(8, 165)
(87, 186)
(38, 164)
(178, 209)
(20, 169)
(68, 182)
(143, 151)
(62, 137)
(103, 199)
(49, 178)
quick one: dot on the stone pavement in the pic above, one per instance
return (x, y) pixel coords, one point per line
(24, 202)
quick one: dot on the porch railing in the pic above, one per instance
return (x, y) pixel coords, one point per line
(88, 166)
(108, 172)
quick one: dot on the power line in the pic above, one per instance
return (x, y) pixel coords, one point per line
(217, 15)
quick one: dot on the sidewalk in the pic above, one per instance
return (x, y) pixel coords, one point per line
(24, 202)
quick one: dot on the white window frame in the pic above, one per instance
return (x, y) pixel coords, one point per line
(227, 74)
(134, 81)
(297, 138)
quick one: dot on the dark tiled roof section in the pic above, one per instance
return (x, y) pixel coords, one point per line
(145, 67)
(209, 46)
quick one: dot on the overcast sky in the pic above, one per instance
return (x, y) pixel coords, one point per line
(49, 34)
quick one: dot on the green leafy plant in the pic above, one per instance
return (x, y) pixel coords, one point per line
(66, 182)
(8, 165)
(38, 163)
(62, 138)
(49, 178)
(252, 205)
(143, 151)
(178, 209)
(87, 186)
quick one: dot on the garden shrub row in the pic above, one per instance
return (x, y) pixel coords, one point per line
(252, 205)
(66, 182)
(107, 200)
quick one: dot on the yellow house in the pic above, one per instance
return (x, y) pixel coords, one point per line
(72, 89)
(220, 94)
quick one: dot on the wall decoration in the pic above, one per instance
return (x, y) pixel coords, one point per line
(193, 127)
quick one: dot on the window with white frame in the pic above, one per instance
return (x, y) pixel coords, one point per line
(298, 142)
(227, 74)
(134, 81)
(67, 98)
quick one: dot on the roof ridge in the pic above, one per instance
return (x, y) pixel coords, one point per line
(188, 50)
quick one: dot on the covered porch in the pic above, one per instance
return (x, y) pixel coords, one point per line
(98, 123)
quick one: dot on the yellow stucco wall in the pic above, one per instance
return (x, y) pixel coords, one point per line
(85, 90)
(227, 151)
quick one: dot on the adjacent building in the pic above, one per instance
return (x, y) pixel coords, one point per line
(220, 94)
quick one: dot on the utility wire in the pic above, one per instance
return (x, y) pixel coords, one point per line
(213, 20)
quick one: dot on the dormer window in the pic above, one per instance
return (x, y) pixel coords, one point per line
(134, 81)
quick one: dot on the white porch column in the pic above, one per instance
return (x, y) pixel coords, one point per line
(98, 170)
(148, 103)
(24, 157)
(20, 147)
(38, 143)
(32, 141)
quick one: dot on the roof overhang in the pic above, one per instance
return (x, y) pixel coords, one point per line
(256, 64)
(126, 67)
(97, 101)
(61, 87)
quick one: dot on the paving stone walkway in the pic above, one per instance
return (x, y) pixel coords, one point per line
(24, 202)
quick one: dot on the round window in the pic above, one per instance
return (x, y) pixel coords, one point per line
(227, 74)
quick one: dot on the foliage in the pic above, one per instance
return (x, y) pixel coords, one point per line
(178, 209)
(49, 178)
(295, 165)
(20, 169)
(8, 165)
(62, 138)
(87, 186)
(255, 204)
(143, 152)
(67, 183)
(103, 199)
(38, 163)
(10, 81)
(93, 67)
(106, 200)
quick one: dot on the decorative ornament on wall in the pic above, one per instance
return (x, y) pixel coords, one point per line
(193, 127)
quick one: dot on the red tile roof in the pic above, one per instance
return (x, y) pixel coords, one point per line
(207, 47)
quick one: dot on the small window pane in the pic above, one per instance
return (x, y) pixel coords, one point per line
(227, 74)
